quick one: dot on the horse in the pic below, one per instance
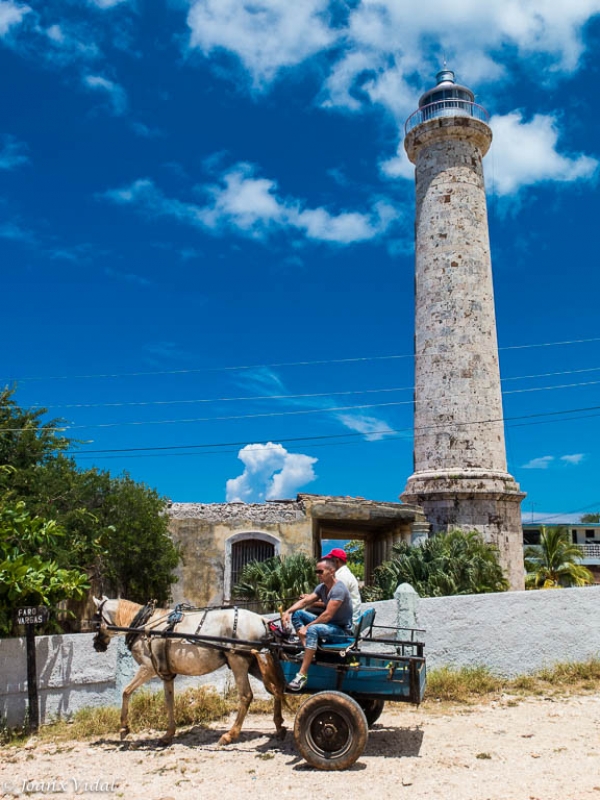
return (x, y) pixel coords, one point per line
(160, 656)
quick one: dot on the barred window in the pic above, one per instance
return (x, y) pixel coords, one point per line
(248, 550)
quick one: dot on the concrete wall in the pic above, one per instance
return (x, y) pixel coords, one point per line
(512, 634)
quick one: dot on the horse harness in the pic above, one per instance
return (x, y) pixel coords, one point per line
(159, 646)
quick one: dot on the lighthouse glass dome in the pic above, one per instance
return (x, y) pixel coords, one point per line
(446, 99)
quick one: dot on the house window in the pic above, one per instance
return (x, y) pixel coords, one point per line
(244, 552)
(590, 534)
(531, 537)
(241, 549)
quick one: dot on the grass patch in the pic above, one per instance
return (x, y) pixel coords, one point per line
(146, 711)
(471, 684)
(462, 685)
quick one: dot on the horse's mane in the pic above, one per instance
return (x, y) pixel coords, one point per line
(126, 611)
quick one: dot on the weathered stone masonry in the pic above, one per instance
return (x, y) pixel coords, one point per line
(460, 472)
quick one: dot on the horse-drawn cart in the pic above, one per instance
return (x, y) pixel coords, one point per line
(348, 686)
(348, 682)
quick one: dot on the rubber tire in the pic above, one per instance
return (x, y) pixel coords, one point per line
(331, 731)
(372, 708)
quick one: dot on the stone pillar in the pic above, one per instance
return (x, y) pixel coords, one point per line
(460, 474)
(419, 533)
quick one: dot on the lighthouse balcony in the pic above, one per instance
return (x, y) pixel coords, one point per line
(449, 107)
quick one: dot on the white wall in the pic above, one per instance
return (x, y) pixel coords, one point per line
(512, 633)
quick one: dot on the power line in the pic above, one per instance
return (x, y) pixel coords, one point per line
(278, 365)
(304, 396)
(268, 414)
(513, 421)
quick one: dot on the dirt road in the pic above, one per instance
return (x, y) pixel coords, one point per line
(533, 749)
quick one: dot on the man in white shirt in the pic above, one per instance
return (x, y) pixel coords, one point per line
(345, 576)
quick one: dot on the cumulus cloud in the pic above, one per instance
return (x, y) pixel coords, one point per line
(251, 206)
(265, 35)
(526, 153)
(11, 15)
(375, 48)
(12, 152)
(114, 93)
(270, 473)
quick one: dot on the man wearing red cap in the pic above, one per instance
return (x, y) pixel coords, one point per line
(345, 576)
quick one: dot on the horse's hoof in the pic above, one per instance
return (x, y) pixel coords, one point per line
(123, 733)
(281, 732)
(165, 741)
(225, 739)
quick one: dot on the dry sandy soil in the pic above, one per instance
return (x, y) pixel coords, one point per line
(536, 749)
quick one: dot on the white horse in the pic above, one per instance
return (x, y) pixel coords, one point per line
(167, 657)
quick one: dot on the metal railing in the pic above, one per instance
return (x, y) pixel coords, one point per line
(452, 107)
(591, 550)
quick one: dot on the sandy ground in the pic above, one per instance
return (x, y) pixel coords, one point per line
(533, 749)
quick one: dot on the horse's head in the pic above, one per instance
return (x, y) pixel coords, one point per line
(102, 618)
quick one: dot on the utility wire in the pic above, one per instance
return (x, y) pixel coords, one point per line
(268, 414)
(310, 395)
(380, 434)
(278, 365)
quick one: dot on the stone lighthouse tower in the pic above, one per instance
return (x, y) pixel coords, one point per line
(460, 474)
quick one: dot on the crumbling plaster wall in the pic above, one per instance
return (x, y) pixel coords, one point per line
(203, 530)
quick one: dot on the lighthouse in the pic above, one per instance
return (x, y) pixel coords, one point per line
(460, 475)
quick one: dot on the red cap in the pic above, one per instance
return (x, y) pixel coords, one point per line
(337, 553)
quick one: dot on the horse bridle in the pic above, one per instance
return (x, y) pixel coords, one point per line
(98, 619)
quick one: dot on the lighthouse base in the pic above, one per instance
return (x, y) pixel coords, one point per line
(475, 500)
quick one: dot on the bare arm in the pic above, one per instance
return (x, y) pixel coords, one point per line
(305, 600)
(332, 607)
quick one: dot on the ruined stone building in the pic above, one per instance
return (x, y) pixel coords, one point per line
(218, 539)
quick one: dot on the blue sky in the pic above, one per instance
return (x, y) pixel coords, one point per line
(206, 225)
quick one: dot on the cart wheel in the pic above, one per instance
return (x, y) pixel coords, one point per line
(330, 730)
(372, 709)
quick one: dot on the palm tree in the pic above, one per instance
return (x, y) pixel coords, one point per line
(277, 581)
(555, 562)
(458, 562)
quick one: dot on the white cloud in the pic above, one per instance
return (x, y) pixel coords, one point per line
(574, 459)
(373, 428)
(11, 15)
(270, 473)
(380, 45)
(525, 153)
(266, 35)
(115, 93)
(104, 4)
(15, 232)
(12, 152)
(543, 462)
(251, 206)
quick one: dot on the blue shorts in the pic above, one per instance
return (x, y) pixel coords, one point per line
(325, 631)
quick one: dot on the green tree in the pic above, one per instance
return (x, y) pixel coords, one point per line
(277, 581)
(29, 573)
(115, 529)
(591, 517)
(355, 550)
(451, 563)
(555, 562)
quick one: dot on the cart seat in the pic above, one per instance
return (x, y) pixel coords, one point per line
(365, 622)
